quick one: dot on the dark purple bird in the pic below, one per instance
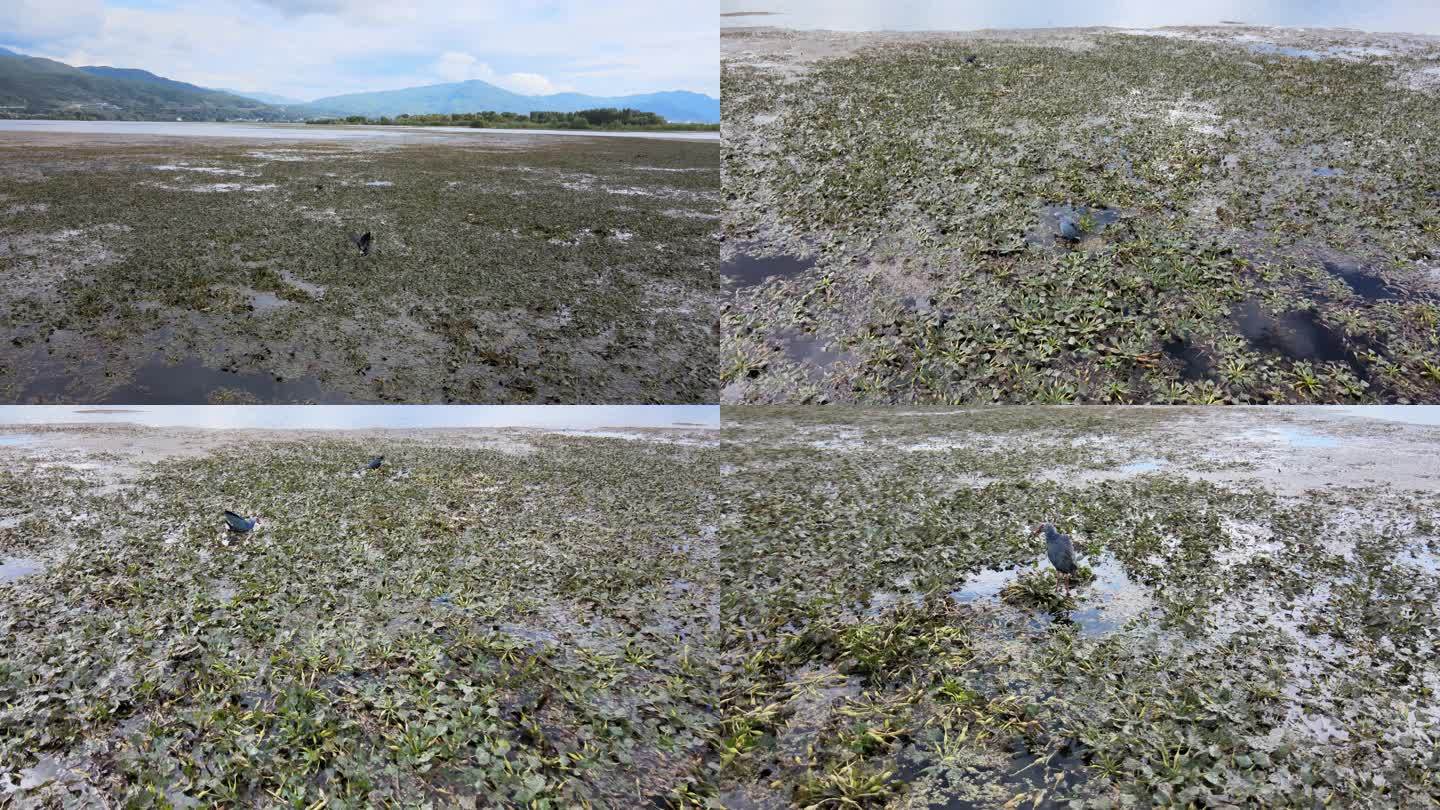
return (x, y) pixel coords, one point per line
(374, 463)
(238, 523)
(1060, 550)
(362, 241)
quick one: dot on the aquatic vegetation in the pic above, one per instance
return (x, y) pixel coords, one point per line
(1269, 649)
(502, 269)
(1087, 217)
(472, 627)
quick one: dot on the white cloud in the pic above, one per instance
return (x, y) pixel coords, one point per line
(533, 84)
(29, 20)
(453, 66)
(311, 48)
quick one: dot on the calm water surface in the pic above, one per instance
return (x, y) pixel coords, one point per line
(305, 132)
(319, 417)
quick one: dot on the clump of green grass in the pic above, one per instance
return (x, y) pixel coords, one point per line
(460, 627)
(837, 698)
(1042, 590)
(1215, 285)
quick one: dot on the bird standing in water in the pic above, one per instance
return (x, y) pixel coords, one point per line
(1069, 228)
(1060, 550)
(239, 524)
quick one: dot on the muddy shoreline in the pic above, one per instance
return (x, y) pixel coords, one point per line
(1249, 574)
(504, 270)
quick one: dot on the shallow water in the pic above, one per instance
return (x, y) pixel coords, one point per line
(1051, 215)
(1283, 50)
(12, 568)
(1194, 364)
(1367, 285)
(1297, 334)
(1295, 437)
(317, 417)
(746, 270)
(1143, 465)
(189, 382)
(1102, 605)
(14, 439)
(1409, 414)
(304, 132)
(1026, 772)
(808, 349)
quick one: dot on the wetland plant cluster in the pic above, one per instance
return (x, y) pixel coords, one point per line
(505, 269)
(461, 627)
(850, 614)
(1272, 651)
(1219, 246)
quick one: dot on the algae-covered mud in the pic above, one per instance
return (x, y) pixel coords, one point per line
(1187, 215)
(491, 618)
(502, 268)
(1254, 622)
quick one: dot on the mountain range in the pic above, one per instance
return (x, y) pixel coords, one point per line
(37, 86)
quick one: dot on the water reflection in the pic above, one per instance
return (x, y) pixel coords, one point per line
(1103, 605)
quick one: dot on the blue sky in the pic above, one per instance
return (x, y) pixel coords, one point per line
(1412, 16)
(311, 48)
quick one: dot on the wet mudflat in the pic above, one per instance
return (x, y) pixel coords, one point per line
(1086, 215)
(1254, 621)
(502, 269)
(491, 618)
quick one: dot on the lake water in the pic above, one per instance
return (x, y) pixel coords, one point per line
(304, 132)
(953, 15)
(1409, 414)
(321, 417)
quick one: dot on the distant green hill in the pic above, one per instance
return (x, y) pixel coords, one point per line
(32, 86)
(268, 98)
(475, 95)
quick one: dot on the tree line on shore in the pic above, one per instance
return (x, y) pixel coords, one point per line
(598, 118)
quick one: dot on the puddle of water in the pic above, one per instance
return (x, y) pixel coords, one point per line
(1367, 285)
(1297, 334)
(747, 270)
(1064, 220)
(1103, 605)
(12, 568)
(189, 382)
(1194, 364)
(14, 439)
(1285, 50)
(1026, 772)
(1421, 559)
(1143, 465)
(985, 584)
(807, 349)
(315, 290)
(1110, 601)
(1295, 437)
(1326, 171)
(262, 302)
